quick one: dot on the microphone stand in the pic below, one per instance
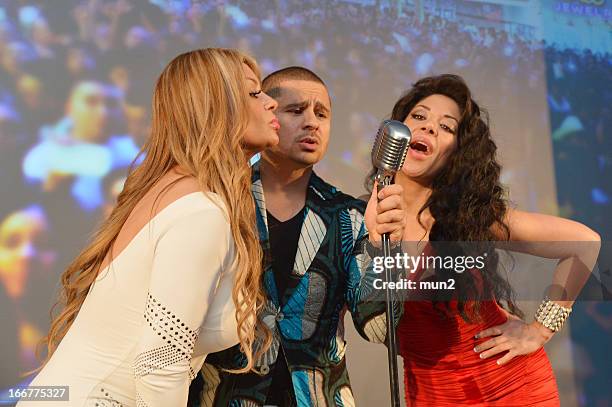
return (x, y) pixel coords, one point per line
(382, 181)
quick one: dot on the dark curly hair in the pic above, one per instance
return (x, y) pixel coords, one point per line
(467, 197)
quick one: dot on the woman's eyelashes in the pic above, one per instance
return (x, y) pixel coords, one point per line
(447, 128)
(255, 94)
(420, 117)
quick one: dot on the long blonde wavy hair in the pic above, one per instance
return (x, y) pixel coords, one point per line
(198, 119)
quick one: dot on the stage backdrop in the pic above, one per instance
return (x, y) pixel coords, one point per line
(83, 70)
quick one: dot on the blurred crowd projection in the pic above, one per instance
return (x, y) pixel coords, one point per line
(76, 79)
(580, 120)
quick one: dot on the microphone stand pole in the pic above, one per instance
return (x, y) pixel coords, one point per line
(384, 180)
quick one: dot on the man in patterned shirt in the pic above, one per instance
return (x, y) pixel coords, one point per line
(310, 233)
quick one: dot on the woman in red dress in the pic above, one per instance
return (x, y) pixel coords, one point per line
(473, 348)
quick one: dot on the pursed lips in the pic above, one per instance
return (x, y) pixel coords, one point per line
(309, 140)
(275, 124)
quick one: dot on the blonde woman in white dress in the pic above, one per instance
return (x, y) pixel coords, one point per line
(174, 273)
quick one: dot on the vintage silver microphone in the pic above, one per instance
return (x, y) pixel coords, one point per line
(388, 155)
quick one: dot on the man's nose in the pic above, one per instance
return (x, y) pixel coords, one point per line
(310, 119)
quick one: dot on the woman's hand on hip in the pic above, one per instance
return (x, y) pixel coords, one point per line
(515, 337)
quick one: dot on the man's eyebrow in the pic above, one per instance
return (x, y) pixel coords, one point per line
(321, 106)
(301, 104)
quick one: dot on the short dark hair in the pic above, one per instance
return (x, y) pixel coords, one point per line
(272, 83)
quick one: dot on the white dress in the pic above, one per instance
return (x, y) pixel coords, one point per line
(153, 314)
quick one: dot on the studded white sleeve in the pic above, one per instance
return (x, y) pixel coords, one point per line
(188, 260)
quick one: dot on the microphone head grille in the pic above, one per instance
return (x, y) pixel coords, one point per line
(391, 145)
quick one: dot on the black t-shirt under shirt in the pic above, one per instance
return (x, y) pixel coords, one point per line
(283, 238)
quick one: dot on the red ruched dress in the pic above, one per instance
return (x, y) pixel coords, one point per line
(441, 368)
